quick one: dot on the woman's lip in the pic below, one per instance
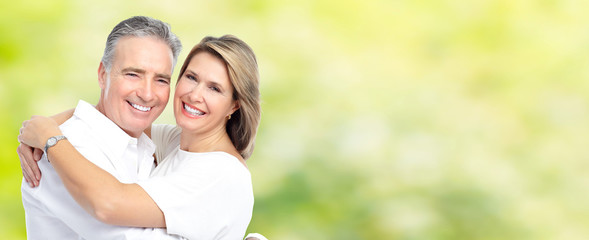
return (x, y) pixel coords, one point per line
(188, 114)
(193, 107)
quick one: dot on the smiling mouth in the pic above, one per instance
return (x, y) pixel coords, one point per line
(192, 111)
(139, 107)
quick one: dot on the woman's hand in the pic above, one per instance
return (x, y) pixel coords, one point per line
(37, 130)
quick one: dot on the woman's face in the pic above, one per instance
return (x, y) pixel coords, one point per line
(204, 95)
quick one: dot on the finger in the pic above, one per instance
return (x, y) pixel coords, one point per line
(20, 139)
(37, 154)
(26, 157)
(27, 171)
(27, 177)
(33, 164)
(24, 173)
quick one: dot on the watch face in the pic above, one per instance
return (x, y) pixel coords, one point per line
(51, 141)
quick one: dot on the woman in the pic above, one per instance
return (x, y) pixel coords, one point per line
(201, 188)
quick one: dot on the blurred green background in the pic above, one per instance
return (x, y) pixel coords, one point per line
(382, 119)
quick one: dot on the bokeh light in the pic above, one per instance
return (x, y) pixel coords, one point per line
(382, 119)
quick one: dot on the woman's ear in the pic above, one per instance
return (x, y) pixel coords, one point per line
(235, 106)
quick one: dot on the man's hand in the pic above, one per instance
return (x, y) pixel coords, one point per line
(28, 162)
(35, 132)
(32, 138)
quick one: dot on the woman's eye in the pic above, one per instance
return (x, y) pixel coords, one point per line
(191, 77)
(216, 89)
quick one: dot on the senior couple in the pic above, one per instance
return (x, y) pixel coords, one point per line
(99, 176)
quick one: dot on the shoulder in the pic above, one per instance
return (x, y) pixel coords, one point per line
(80, 124)
(164, 136)
(76, 130)
(165, 129)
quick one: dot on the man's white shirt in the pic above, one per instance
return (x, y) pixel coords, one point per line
(52, 213)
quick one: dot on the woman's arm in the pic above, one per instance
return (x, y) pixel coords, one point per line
(97, 191)
(61, 117)
(29, 156)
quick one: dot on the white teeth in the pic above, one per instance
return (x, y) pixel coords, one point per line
(140, 108)
(192, 110)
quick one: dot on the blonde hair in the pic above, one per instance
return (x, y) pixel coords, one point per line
(242, 67)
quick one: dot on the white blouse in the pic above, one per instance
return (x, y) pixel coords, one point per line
(202, 195)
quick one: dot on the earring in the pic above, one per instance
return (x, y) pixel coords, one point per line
(229, 117)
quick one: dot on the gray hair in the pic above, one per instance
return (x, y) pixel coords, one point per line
(140, 26)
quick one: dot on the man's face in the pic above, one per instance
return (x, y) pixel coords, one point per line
(136, 90)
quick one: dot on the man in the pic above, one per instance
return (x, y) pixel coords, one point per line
(134, 76)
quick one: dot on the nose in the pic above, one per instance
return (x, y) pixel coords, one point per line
(196, 93)
(145, 91)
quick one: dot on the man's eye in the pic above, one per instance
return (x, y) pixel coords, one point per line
(191, 77)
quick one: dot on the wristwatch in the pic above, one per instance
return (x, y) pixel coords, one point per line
(52, 141)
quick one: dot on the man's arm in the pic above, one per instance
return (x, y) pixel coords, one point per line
(96, 190)
(29, 156)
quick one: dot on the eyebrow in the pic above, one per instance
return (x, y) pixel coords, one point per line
(191, 72)
(139, 70)
(216, 84)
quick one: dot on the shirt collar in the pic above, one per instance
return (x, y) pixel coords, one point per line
(145, 143)
(109, 133)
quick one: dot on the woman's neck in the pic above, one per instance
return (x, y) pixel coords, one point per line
(205, 142)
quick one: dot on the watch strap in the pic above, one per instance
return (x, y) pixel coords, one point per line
(53, 140)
